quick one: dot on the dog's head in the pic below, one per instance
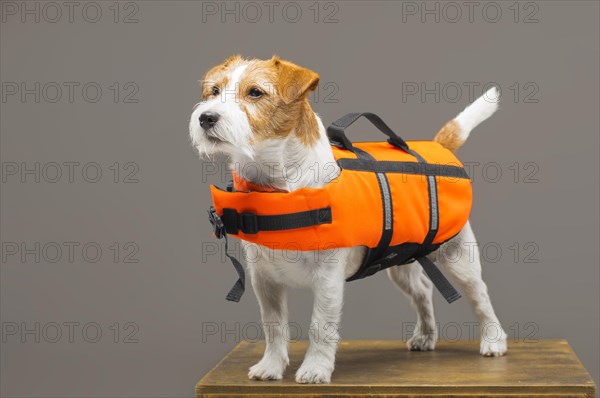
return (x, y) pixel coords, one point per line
(247, 102)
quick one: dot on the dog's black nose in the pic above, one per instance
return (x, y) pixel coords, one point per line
(209, 119)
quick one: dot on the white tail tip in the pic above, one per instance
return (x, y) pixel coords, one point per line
(477, 112)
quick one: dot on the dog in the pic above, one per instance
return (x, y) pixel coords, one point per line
(257, 113)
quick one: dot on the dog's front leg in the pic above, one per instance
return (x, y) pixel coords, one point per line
(328, 290)
(272, 298)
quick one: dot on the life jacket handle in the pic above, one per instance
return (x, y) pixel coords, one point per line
(337, 135)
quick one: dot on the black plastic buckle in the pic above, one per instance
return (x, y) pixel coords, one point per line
(216, 222)
(248, 223)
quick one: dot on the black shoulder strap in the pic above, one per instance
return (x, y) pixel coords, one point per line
(236, 292)
(337, 136)
(439, 280)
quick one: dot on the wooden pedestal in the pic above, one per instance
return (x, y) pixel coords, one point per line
(384, 368)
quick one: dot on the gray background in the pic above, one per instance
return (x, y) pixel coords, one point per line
(365, 57)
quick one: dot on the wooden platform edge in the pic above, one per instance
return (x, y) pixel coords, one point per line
(424, 391)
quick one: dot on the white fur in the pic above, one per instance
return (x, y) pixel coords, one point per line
(236, 76)
(233, 126)
(272, 272)
(477, 112)
(287, 164)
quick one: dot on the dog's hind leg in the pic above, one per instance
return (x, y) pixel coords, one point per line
(272, 298)
(460, 259)
(411, 279)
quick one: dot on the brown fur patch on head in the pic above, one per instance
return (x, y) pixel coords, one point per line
(218, 76)
(294, 82)
(284, 106)
(449, 136)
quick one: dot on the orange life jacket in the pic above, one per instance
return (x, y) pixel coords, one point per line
(401, 200)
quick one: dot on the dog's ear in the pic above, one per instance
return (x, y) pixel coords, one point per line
(294, 82)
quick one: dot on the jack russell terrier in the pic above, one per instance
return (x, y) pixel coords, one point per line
(257, 113)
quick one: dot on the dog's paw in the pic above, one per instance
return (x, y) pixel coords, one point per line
(422, 342)
(313, 373)
(268, 369)
(493, 348)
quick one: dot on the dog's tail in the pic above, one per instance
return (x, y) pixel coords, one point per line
(456, 131)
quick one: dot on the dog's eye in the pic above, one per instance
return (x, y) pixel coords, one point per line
(255, 93)
(215, 90)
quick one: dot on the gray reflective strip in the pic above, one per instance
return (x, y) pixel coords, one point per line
(387, 201)
(433, 202)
